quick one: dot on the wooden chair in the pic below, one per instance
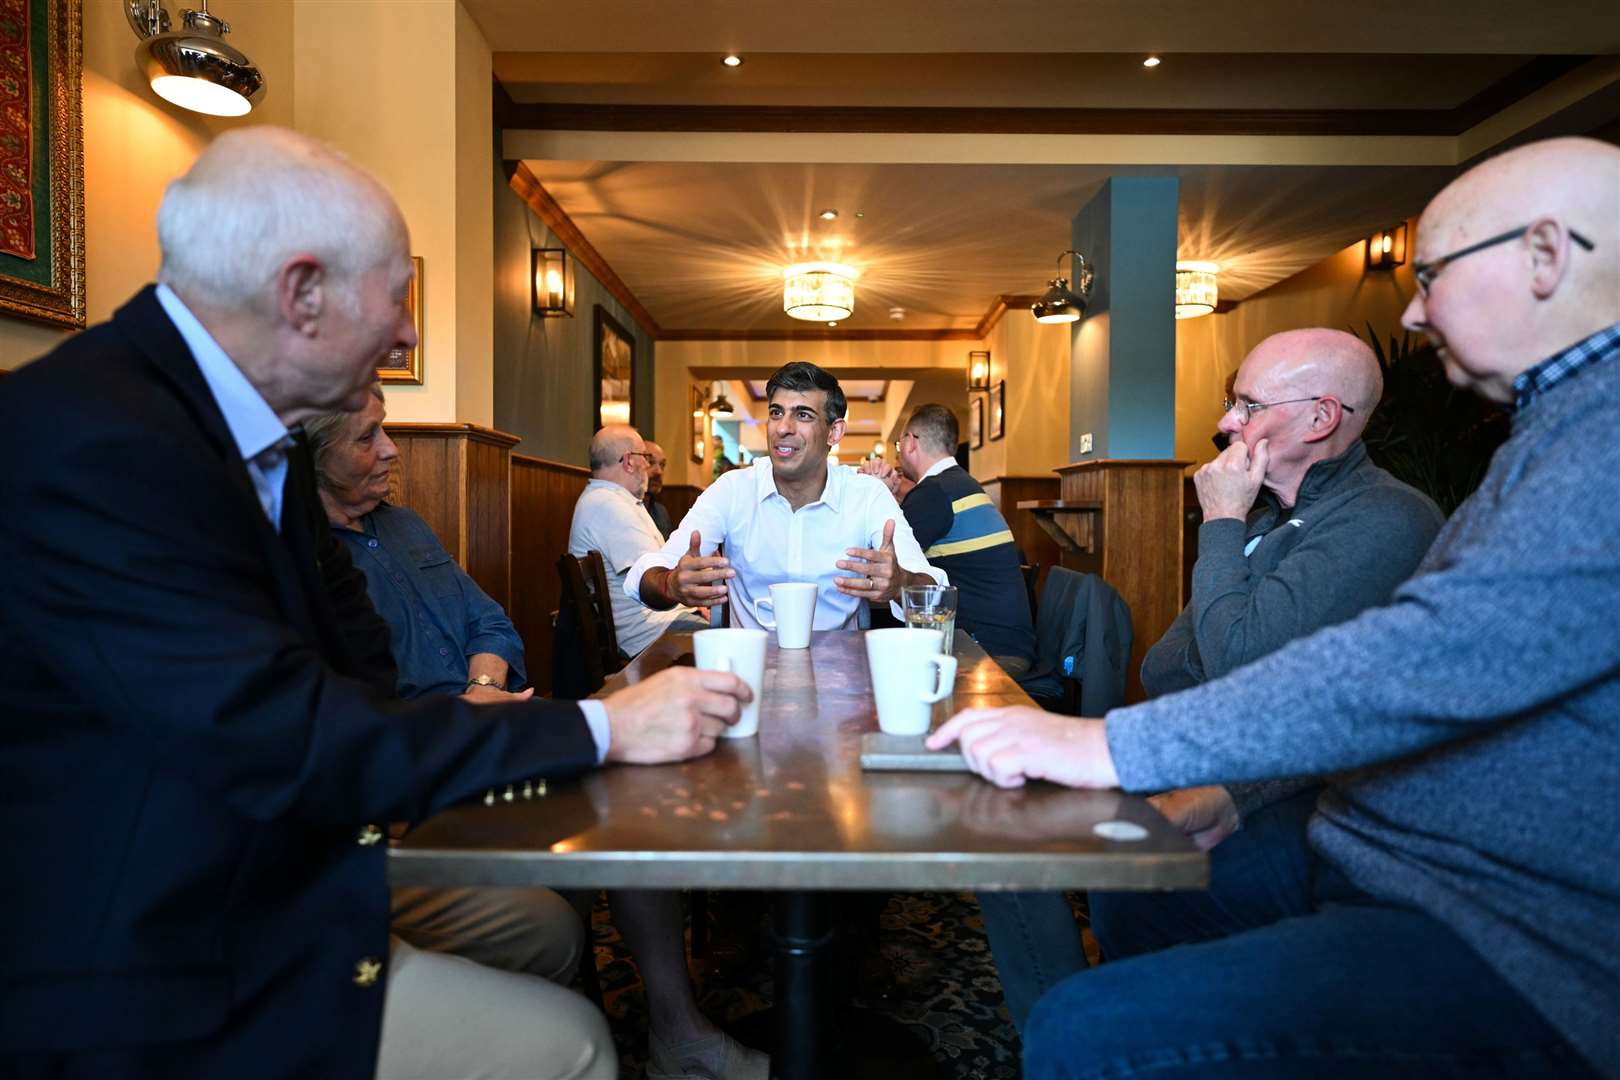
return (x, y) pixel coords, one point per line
(585, 635)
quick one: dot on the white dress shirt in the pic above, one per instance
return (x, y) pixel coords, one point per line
(768, 543)
(260, 436)
(607, 518)
(262, 440)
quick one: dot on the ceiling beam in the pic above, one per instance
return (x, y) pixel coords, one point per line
(532, 192)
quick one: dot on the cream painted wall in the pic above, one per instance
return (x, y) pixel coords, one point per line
(1338, 292)
(419, 85)
(134, 144)
(1034, 361)
(676, 359)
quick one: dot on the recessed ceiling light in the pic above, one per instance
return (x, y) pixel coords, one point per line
(1152, 61)
(828, 215)
(832, 324)
(732, 60)
(860, 213)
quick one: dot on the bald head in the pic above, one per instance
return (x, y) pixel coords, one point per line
(1494, 313)
(1318, 387)
(259, 196)
(1318, 362)
(615, 456)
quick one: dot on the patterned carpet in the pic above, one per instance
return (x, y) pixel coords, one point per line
(944, 988)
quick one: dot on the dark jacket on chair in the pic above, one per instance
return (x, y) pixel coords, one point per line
(193, 738)
(1083, 632)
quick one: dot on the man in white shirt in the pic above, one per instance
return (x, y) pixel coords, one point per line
(789, 518)
(610, 517)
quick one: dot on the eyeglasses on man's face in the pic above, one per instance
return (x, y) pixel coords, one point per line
(1426, 272)
(1247, 409)
(642, 454)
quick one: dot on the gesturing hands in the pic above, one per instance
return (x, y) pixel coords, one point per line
(880, 578)
(676, 714)
(1227, 486)
(698, 580)
(1019, 742)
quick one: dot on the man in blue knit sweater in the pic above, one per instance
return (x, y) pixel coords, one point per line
(1459, 894)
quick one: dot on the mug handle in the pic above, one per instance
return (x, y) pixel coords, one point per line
(765, 602)
(947, 678)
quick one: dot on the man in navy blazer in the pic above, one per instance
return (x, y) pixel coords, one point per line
(198, 738)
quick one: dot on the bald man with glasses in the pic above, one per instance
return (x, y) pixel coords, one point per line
(1301, 531)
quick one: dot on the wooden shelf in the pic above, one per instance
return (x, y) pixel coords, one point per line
(1071, 523)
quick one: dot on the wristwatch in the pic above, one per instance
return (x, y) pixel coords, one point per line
(483, 680)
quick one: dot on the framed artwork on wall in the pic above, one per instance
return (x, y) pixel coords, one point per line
(405, 365)
(614, 351)
(975, 422)
(998, 409)
(695, 436)
(41, 162)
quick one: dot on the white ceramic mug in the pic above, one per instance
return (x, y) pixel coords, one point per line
(741, 652)
(793, 609)
(909, 674)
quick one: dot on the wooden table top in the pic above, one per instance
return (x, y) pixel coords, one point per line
(792, 808)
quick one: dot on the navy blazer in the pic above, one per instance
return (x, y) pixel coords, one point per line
(196, 728)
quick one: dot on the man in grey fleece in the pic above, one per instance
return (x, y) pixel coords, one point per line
(1461, 886)
(1331, 535)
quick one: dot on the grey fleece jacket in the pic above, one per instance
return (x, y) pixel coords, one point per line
(1474, 722)
(1353, 534)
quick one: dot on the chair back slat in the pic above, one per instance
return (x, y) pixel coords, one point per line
(595, 648)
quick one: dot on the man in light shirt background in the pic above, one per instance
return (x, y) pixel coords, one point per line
(611, 517)
(789, 517)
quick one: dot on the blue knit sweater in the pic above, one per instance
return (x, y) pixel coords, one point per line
(1473, 724)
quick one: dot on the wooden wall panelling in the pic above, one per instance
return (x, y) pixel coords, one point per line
(678, 499)
(543, 497)
(458, 477)
(1139, 542)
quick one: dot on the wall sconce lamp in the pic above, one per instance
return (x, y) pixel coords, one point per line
(978, 372)
(193, 67)
(553, 282)
(1386, 248)
(1059, 303)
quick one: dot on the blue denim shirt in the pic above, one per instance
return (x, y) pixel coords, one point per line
(437, 614)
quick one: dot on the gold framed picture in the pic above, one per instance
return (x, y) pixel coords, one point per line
(41, 162)
(405, 365)
(975, 422)
(998, 410)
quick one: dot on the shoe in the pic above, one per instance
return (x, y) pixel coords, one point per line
(686, 1061)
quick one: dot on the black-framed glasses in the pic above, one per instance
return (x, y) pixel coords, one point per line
(1247, 409)
(642, 454)
(1426, 272)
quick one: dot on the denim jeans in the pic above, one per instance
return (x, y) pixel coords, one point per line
(1283, 969)
(1036, 942)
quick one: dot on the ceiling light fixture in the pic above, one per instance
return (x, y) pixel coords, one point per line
(732, 60)
(1196, 289)
(1152, 62)
(819, 292)
(1059, 303)
(898, 314)
(828, 215)
(193, 68)
(721, 405)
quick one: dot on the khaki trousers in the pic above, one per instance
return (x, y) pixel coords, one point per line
(474, 990)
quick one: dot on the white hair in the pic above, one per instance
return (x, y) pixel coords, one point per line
(259, 196)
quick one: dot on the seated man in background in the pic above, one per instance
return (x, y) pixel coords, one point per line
(609, 517)
(1331, 535)
(449, 637)
(1455, 903)
(655, 488)
(963, 534)
(789, 517)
